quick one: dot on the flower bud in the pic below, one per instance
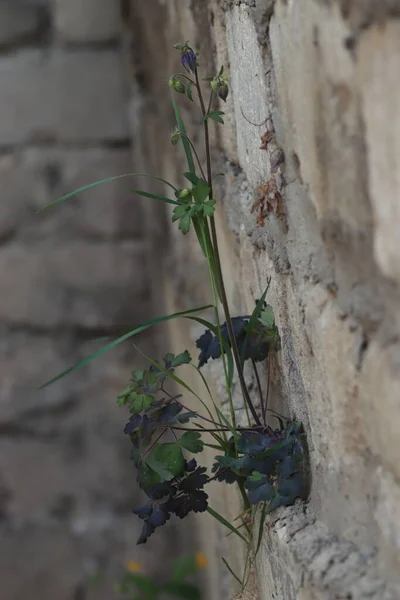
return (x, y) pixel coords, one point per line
(189, 59)
(177, 85)
(183, 193)
(175, 137)
(220, 86)
(223, 91)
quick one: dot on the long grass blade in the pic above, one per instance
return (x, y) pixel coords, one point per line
(101, 182)
(231, 571)
(224, 522)
(225, 439)
(182, 129)
(121, 339)
(156, 197)
(261, 526)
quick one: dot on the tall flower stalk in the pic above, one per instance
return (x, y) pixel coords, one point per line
(265, 463)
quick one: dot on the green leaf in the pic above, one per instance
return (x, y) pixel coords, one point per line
(100, 182)
(180, 359)
(191, 441)
(185, 142)
(155, 197)
(208, 210)
(167, 460)
(187, 591)
(253, 319)
(121, 339)
(180, 212)
(201, 191)
(183, 566)
(199, 227)
(123, 396)
(226, 523)
(139, 402)
(184, 224)
(215, 115)
(191, 177)
(267, 317)
(147, 477)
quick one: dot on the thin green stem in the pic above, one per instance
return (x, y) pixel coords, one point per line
(265, 408)
(259, 388)
(246, 500)
(185, 76)
(221, 286)
(210, 100)
(195, 153)
(155, 442)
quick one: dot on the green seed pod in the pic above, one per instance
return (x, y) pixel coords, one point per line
(177, 85)
(175, 137)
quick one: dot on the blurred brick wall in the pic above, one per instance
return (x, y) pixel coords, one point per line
(67, 276)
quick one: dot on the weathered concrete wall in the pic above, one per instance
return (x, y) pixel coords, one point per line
(68, 275)
(327, 75)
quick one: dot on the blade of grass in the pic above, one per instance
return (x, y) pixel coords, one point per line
(211, 397)
(224, 522)
(231, 571)
(121, 339)
(155, 197)
(101, 182)
(182, 129)
(261, 526)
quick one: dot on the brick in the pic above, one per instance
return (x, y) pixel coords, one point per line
(35, 177)
(379, 70)
(54, 562)
(71, 97)
(87, 20)
(77, 472)
(89, 285)
(25, 408)
(18, 23)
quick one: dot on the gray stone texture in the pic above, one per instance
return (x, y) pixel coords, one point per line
(45, 95)
(87, 21)
(18, 23)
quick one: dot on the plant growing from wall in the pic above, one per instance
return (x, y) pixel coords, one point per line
(167, 436)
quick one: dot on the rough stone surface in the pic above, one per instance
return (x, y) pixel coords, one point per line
(322, 77)
(87, 20)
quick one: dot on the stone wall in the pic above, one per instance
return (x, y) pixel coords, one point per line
(69, 275)
(323, 76)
